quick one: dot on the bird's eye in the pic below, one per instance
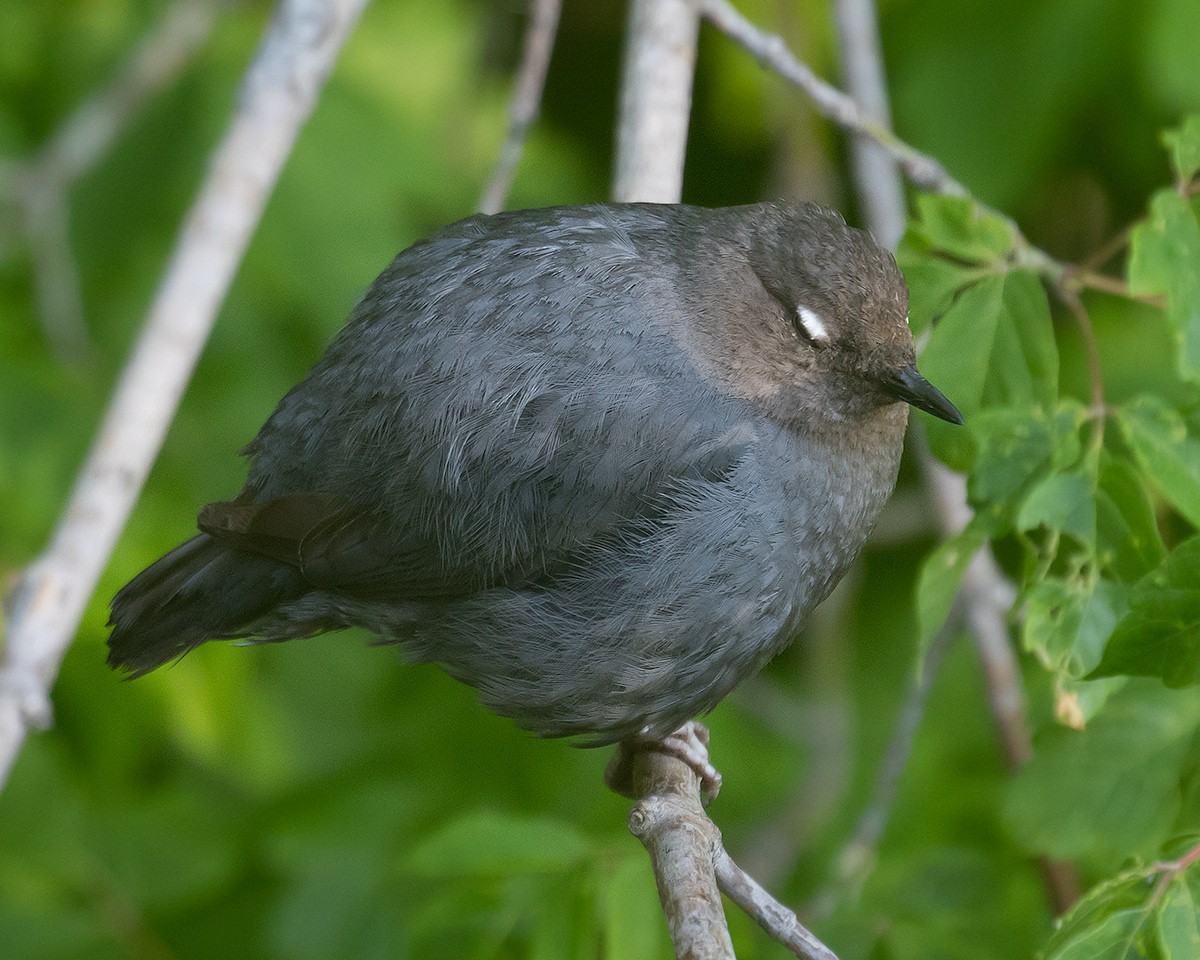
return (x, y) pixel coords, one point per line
(811, 327)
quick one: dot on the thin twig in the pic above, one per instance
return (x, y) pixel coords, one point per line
(88, 134)
(1109, 249)
(987, 596)
(858, 854)
(771, 51)
(526, 100)
(277, 96)
(1090, 280)
(779, 921)
(923, 170)
(57, 287)
(876, 179)
(42, 185)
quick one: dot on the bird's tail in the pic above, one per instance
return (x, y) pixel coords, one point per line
(201, 590)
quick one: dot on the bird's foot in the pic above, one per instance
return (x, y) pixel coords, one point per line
(688, 744)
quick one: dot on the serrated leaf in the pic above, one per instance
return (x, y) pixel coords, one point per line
(1164, 252)
(1110, 789)
(1065, 502)
(1014, 448)
(1158, 437)
(1184, 146)
(1128, 542)
(1160, 636)
(489, 843)
(938, 582)
(961, 228)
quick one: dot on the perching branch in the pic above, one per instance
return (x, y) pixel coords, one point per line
(683, 843)
(277, 96)
(526, 100)
(691, 866)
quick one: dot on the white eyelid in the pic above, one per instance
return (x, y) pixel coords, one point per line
(813, 325)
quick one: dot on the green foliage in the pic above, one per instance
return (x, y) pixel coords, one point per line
(1147, 913)
(1104, 595)
(320, 800)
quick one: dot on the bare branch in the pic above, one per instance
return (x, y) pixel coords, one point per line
(772, 53)
(876, 179)
(277, 96)
(920, 168)
(779, 921)
(57, 288)
(656, 97)
(683, 844)
(857, 857)
(526, 100)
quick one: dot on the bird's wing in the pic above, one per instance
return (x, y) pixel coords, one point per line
(492, 408)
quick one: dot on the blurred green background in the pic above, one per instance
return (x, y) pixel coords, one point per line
(321, 800)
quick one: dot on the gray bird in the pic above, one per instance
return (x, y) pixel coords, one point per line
(598, 462)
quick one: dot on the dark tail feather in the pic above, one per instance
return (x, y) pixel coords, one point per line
(199, 591)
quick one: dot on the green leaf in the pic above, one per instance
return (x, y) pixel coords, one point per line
(1179, 922)
(1184, 145)
(995, 346)
(1164, 252)
(1067, 623)
(489, 843)
(1065, 502)
(1158, 438)
(939, 580)
(1015, 450)
(1107, 923)
(960, 228)
(1128, 542)
(1160, 637)
(1112, 788)
(933, 283)
(1024, 356)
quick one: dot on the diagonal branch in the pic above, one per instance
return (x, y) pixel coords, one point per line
(921, 169)
(278, 94)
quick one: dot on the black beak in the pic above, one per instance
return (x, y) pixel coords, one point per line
(908, 385)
